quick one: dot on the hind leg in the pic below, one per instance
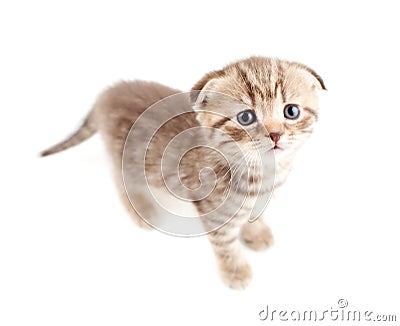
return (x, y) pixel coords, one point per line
(139, 206)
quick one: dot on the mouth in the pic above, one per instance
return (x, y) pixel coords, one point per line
(275, 149)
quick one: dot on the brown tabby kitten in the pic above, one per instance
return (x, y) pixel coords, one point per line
(265, 99)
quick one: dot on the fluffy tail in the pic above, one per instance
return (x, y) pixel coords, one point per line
(86, 130)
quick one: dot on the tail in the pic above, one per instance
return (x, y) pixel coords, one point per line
(86, 130)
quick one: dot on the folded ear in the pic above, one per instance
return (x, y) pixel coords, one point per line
(318, 80)
(198, 94)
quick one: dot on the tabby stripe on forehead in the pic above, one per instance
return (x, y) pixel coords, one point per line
(260, 93)
(276, 89)
(249, 87)
(280, 81)
(283, 93)
(220, 122)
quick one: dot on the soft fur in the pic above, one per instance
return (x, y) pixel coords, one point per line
(264, 85)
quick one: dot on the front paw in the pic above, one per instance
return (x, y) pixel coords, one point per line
(257, 235)
(236, 277)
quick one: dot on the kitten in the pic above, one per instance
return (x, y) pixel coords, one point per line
(245, 124)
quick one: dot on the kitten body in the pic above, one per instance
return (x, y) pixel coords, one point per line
(262, 86)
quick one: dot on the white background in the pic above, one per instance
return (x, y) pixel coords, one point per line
(69, 252)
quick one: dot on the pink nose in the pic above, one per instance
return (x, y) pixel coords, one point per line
(275, 136)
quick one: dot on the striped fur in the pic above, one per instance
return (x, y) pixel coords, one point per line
(263, 85)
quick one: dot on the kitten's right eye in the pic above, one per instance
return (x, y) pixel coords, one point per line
(247, 117)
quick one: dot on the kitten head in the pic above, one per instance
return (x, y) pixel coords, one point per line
(260, 99)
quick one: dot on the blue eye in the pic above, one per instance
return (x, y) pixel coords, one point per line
(291, 111)
(246, 118)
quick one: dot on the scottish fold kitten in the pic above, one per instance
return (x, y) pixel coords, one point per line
(224, 147)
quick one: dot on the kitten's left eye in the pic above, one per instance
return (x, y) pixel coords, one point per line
(291, 111)
(246, 118)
